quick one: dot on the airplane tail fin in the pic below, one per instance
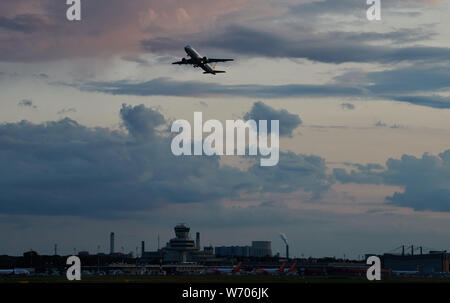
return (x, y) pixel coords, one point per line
(238, 267)
(214, 69)
(293, 267)
(282, 267)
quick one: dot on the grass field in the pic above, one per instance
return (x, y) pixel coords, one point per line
(218, 279)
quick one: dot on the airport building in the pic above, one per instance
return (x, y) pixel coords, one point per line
(178, 248)
(433, 262)
(232, 251)
(257, 249)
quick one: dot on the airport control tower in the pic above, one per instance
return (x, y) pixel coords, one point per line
(177, 249)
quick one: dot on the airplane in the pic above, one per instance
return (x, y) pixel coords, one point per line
(215, 271)
(203, 62)
(291, 269)
(271, 271)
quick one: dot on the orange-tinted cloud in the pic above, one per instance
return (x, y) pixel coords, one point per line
(36, 30)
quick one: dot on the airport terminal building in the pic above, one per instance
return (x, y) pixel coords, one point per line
(433, 262)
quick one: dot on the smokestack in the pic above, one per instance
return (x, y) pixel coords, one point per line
(403, 250)
(412, 250)
(197, 241)
(285, 240)
(142, 248)
(111, 243)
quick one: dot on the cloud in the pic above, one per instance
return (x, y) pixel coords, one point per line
(347, 106)
(380, 124)
(430, 101)
(141, 121)
(415, 78)
(24, 23)
(27, 103)
(397, 84)
(170, 87)
(288, 122)
(38, 30)
(136, 59)
(426, 180)
(65, 168)
(65, 111)
(329, 47)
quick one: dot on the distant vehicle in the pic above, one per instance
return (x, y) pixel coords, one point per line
(271, 271)
(197, 60)
(218, 271)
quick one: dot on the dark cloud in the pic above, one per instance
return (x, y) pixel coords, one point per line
(430, 101)
(397, 84)
(329, 47)
(292, 170)
(410, 79)
(64, 168)
(141, 121)
(24, 23)
(288, 122)
(426, 180)
(169, 87)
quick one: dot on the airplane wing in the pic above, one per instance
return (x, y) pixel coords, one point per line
(210, 60)
(185, 61)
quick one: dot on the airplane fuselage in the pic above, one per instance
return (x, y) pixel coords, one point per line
(199, 60)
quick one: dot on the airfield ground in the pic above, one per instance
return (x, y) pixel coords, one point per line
(220, 279)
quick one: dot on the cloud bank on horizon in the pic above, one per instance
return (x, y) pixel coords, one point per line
(64, 168)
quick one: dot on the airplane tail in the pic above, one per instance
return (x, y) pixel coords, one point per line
(282, 267)
(238, 267)
(292, 268)
(216, 71)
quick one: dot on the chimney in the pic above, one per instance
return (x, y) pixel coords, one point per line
(403, 250)
(412, 250)
(142, 248)
(197, 241)
(287, 251)
(111, 243)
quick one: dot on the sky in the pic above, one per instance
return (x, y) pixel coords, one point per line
(86, 108)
